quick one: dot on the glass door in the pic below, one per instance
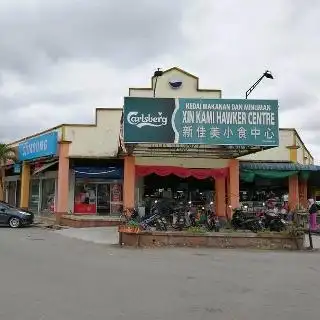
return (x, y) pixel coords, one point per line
(12, 192)
(34, 197)
(103, 199)
(18, 193)
(48, 195)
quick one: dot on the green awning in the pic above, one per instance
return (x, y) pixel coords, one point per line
(279, 166)
(250, 170)
(251, 175)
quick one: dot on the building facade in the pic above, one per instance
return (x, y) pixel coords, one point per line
(92, 170)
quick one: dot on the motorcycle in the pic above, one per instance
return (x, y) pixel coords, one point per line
(241, 221)
(274, 221)
(155, 220)
(212, 222)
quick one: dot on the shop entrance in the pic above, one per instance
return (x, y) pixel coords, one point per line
(98, 197)
(199, 192)
(42, 196)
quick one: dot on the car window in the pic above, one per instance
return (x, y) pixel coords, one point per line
(6, 205)
(2, 206)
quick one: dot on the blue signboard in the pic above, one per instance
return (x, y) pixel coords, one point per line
(201, 121)
(16, 168)
(38, 147)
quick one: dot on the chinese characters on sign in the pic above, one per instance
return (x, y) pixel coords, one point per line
(201, 121)
(231, 122)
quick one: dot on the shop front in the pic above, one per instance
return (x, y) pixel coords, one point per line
(98, 190)
(288, 184)
(189, 147)
(38, 160)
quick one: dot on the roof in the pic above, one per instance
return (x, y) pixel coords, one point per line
(280, 166)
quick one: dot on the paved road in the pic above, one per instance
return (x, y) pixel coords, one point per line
(47, 276)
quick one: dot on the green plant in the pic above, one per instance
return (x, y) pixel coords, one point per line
(6, 154)
(295, 231)
(133, 223)
(196, 229)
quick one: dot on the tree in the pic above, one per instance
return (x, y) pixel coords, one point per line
(6, 154)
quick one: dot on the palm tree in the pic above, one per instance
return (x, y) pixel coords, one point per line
(6, 154)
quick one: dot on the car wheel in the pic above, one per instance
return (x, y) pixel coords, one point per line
(14, 222)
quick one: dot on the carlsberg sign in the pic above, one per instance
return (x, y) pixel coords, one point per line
(201, 121)
(146, 120)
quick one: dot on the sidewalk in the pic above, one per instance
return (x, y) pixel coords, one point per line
(99, 235)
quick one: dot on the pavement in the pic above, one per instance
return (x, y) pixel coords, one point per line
(98, 235)
(48, 276)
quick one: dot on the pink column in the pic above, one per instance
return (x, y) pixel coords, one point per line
(220, 186)
(233, 185)
(293, 192)
(63, 180)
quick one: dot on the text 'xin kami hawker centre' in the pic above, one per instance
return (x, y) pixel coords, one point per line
(170, 140)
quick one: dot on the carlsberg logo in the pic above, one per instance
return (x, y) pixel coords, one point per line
(144, 120)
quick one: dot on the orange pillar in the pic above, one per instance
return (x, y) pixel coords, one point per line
(220, 198)
(293, 192)
(129, 182)
(2, 189)
(25, 186)
(233, 184)
(303, 192)
(63, 180)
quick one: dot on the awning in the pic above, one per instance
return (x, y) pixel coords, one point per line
(44, 167)
(110, 172)
(280, 166)
(163, 171)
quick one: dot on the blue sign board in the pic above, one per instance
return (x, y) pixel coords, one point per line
(16, 168)
(201, 121)
(38, 147)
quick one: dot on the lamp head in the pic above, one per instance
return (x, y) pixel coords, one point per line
(268, 74)
(158, 73)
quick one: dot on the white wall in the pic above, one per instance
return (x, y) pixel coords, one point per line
(189, 88)
(100, 140)
(281, 153)
(303, 155)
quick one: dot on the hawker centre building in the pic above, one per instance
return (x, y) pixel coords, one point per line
(185, 143)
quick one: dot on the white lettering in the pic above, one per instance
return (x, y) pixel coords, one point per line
(142, 120)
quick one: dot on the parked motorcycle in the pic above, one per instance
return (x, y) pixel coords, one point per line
(274, 221)
(155, 220)
(212, 222)
(241, 221)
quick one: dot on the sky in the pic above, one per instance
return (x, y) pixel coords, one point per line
(59, 60)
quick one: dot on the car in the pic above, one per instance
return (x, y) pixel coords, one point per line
(14, 217)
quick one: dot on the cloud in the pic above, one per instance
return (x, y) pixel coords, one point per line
(61, 59)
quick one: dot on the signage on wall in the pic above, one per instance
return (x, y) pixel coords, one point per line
(201, 121)
(16, 168)
(38, 147)
(175, 83)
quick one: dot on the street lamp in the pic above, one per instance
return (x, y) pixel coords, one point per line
(266, 74)
(158, 73)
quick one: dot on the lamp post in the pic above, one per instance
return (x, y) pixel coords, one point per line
(266, 74)
(158, 73)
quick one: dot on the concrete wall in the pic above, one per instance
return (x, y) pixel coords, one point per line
(303, 155)
(99, 140)
(189, 88)
(281, 153)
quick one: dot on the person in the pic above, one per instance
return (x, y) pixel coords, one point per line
(312, 214)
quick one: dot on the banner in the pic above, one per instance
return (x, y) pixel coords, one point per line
(201, 121)
(38, 147)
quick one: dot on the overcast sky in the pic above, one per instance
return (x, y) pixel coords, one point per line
(61, 59)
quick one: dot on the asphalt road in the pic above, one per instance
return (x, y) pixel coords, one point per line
(47, 276)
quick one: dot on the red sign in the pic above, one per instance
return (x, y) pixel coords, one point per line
(83, 208)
